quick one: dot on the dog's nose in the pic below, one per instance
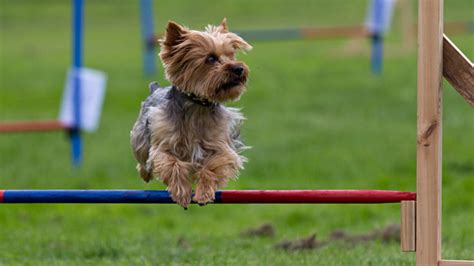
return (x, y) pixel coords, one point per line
(238, 70)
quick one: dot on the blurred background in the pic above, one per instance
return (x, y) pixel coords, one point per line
(317, 118)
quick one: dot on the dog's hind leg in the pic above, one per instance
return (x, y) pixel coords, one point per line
(145, 173)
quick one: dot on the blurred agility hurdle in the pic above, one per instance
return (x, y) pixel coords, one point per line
(82, 99)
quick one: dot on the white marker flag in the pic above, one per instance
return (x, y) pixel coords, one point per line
(379, 15)
(93, 84)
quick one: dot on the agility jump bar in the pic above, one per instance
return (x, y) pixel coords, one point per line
(351, 31)
(222, 197)
(31, 126)
(357, 31)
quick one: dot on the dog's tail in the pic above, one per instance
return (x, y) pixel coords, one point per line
(154, 85)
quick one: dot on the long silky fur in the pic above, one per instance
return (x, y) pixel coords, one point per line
(180, 141)
(186, 129)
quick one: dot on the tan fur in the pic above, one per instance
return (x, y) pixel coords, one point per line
(173, 156)
(190, 143)
(184, 51)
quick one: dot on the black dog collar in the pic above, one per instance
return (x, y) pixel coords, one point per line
(196, 99)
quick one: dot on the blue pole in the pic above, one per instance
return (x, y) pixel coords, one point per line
(86, 196)
(376, 59)
(377, 37)
(147, 29)
(77, 34)
(470, 26)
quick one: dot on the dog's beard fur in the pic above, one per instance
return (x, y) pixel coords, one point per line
(181, 141)
(185, 55)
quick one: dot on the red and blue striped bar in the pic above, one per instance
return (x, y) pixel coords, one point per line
(222, 197)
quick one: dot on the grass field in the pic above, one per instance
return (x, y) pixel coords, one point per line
(317, 119)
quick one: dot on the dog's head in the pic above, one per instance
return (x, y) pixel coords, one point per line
(203, 62)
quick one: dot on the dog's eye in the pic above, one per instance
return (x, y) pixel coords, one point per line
(212, 59)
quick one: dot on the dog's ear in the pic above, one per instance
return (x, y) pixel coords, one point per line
(223, 26)
(240, 44)
(174, 34)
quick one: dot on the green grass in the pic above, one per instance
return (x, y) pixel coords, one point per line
(317, 119)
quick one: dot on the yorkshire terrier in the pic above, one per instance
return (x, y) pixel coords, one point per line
(184, 134)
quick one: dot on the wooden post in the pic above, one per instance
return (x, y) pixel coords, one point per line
(458, 70)
(407, 225)
(456, 263)
(429, 132)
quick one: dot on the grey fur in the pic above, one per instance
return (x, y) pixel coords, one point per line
(180, 110)
(153, 86)
(140, 134)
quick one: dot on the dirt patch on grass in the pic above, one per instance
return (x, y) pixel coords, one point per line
(301, 244)
(265, 230)
(388, 234)
(183, 243)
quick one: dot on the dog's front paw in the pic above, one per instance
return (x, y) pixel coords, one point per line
(183, 199)
(204, 196)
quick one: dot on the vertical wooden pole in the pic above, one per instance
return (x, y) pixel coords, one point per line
(429, 132)
(407, 225)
